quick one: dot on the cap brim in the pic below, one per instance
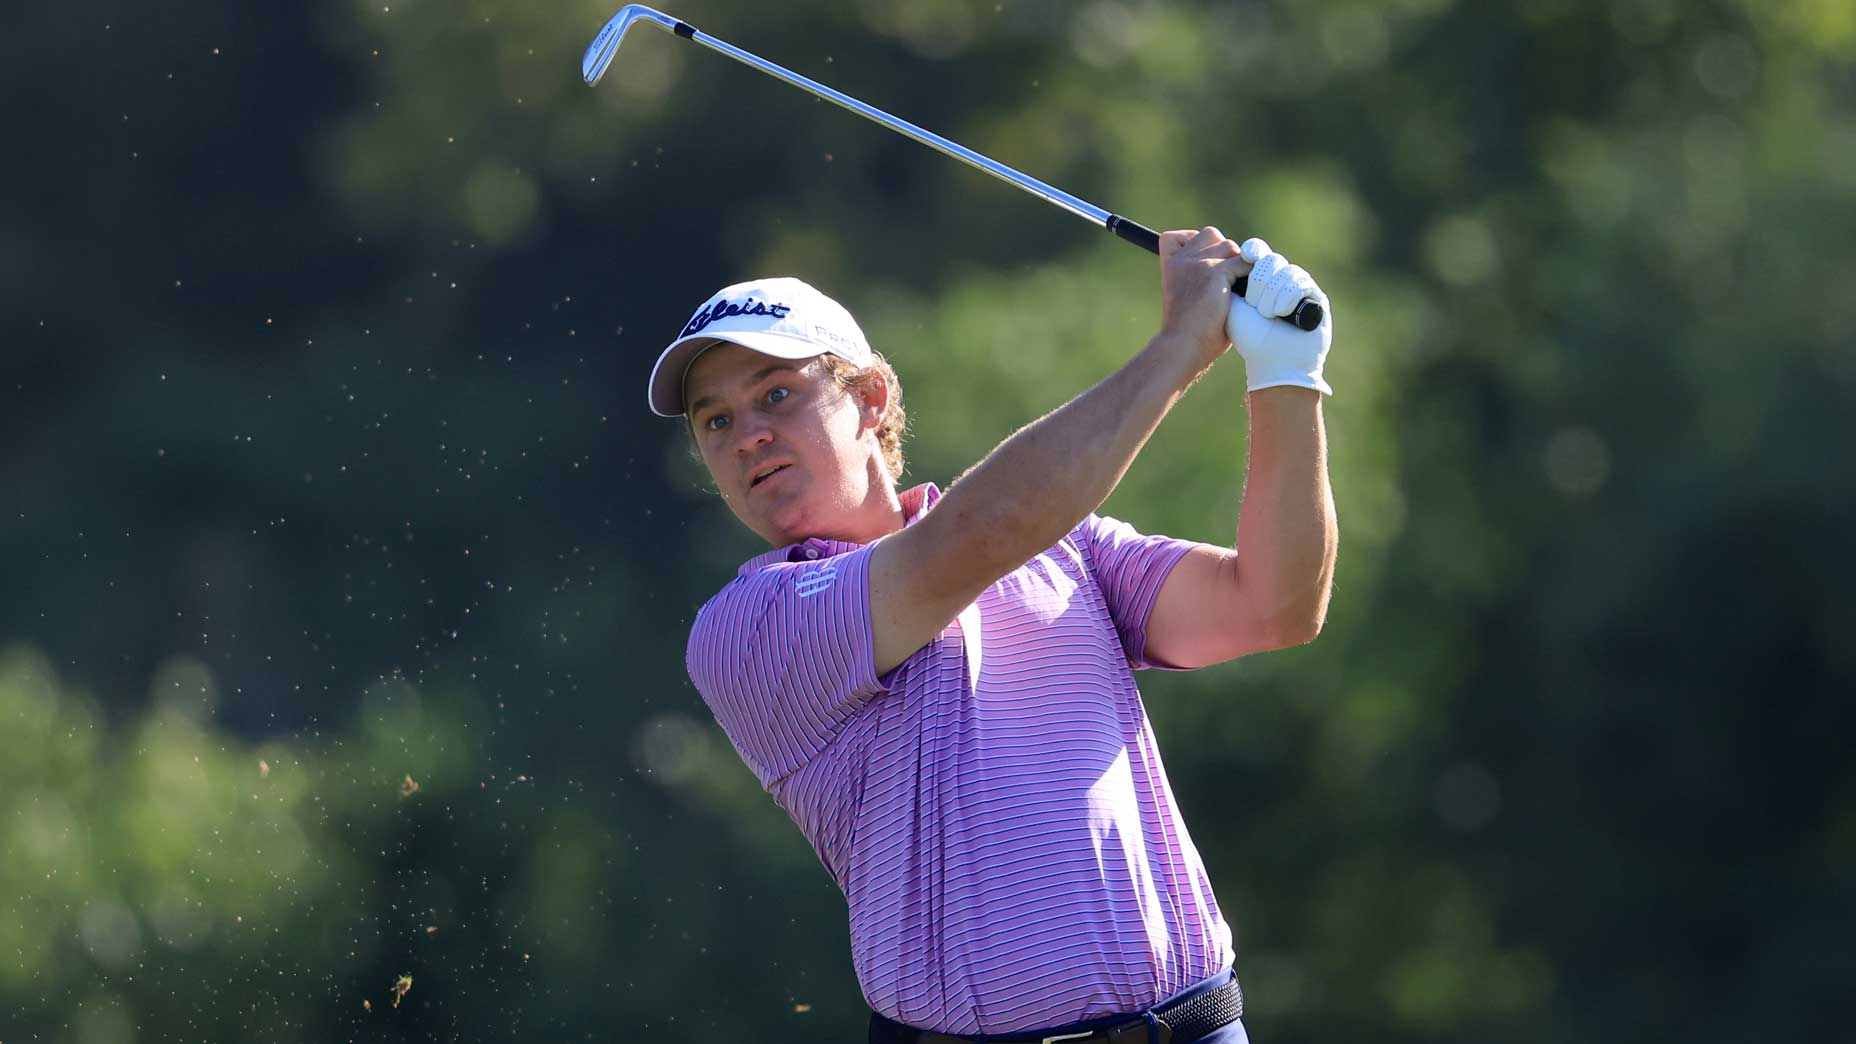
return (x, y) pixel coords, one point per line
(666, 388)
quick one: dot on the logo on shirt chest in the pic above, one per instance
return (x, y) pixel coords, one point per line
(816, 581)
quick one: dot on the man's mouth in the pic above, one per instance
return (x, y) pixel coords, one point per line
(766, 473)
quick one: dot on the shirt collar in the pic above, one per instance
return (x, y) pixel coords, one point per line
(915, 504)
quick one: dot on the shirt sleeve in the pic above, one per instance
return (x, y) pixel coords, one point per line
(1130, 567)
(783, 658)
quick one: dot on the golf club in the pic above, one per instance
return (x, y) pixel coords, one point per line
(1307, 314)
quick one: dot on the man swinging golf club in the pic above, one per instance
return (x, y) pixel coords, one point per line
(939, 689)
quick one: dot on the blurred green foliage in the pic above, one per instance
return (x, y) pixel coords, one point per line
(328, 474)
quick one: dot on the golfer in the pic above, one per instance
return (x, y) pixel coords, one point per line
(938, 687)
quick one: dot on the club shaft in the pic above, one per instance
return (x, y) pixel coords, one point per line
(1306, 315)
(1081, 208)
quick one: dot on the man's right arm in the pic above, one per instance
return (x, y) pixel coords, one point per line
(1022, 498)
(1049, 475)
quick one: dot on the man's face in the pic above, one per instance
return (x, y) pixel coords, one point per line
(788, 447)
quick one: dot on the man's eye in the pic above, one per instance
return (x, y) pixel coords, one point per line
(778, 395)
(716, 423)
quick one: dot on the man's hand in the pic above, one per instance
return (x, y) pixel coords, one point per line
(1278, 353)
(1197, 271)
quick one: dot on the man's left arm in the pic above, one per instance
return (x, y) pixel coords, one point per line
(1271, 590)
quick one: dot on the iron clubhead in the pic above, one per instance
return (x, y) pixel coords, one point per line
(600, 54)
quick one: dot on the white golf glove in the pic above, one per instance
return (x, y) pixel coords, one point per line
(1276, 352)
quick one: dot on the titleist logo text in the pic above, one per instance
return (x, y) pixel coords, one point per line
(723, 309)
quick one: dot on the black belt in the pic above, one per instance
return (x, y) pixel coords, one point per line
(1176, 1023)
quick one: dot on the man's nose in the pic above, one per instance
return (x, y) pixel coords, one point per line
(751, 434)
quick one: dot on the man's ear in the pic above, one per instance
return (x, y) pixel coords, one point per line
(873, 399)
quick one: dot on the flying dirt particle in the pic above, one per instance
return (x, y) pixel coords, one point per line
(401, 987)
(408, 787)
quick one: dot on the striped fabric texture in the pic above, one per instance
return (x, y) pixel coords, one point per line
(994, 809)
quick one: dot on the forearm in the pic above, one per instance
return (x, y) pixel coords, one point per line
(1044, 479)
(1287, 536)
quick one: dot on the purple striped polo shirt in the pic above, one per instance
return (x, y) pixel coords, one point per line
(994, 809)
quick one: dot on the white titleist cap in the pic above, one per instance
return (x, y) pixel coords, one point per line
(781, 317)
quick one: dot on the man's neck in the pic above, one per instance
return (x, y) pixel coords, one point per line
(885, 511)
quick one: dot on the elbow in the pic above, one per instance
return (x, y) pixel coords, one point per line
(1295, 629)
(1300, 621)
(1297, 624)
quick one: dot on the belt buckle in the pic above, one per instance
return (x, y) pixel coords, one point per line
(1067, 1036)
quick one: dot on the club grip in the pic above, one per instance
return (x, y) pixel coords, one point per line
(1307, 314)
